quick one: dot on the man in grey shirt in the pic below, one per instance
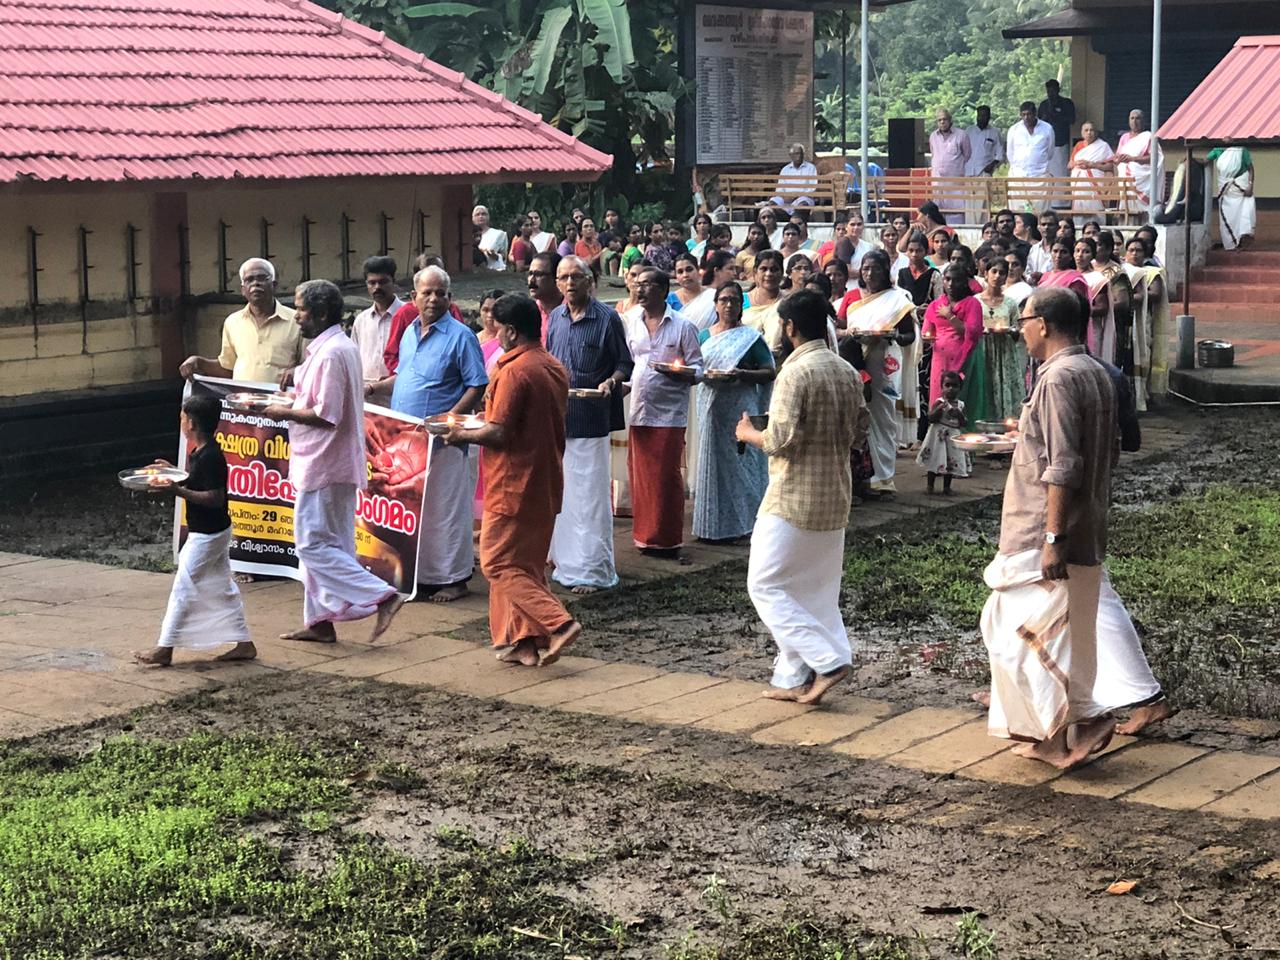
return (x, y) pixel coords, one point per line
(1064, 653)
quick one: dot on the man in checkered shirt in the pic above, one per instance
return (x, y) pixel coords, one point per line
(816, 417)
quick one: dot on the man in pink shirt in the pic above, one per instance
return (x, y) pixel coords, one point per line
(327, 466)
(950, 151)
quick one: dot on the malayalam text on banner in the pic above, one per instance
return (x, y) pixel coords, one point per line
(260, 497)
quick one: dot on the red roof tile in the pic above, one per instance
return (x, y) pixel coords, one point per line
(1239, 99)
(113, 90)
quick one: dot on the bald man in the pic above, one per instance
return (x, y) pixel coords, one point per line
(950, 151)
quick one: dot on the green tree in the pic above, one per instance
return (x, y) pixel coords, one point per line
(602, 70)
(937, 53)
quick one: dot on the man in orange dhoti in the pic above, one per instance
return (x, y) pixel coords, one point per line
(524, 483)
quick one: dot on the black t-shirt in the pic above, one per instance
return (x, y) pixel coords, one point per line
(208, 469)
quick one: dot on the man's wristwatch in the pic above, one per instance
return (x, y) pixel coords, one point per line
(1052, 538)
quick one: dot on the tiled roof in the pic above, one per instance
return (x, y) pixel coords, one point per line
(1239, 99)
(113, 90)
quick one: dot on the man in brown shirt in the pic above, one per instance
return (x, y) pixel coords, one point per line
(1064, 654)
(816, 416)
(524, 482)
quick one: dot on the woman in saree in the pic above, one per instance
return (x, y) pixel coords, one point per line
(1017, 289)
(491, 350)
(717, 270)
(1150, 324)
(1064, 272)
(1006, 355)
(697, 244)
(799, 270)
(954, 321)
(1091, 158)
(730, 483)
(837, 271)
(923, 283)
(882, 317)
(1121, 292)
(1100, 336)
(1237, 210)
(761, 313)
(688, 296)
(757, 243)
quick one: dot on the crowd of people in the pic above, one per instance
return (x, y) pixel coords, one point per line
(773, 383)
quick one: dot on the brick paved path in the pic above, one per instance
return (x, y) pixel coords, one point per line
(67, 628)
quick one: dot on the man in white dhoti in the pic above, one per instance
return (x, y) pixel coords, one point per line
(327, 466)
(797, 182)
(589, 340)
(1237, 209)
(205, 609)
(1138, 156)
(816, 417)
(441, 370)
(1064, 654)
(1030, 148)
(986, 153)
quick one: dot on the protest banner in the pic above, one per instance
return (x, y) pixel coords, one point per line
(261, 499)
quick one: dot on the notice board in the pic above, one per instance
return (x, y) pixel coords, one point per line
(753, 75)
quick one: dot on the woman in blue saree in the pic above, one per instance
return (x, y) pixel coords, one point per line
(740, 370)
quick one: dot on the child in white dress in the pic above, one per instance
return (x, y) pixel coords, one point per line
(938, 454)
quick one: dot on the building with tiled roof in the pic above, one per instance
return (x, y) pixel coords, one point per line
(150, 146)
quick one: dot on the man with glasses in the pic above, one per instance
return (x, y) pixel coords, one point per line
(659, 415)
(589, 341)
(543, 286)
(441, 370)
(1064, 653)
(260, 342)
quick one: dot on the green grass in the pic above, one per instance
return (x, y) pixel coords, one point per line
(149, 850)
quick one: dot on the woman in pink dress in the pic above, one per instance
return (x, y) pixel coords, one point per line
(955, 321)
(491, 350)
(1064, 272)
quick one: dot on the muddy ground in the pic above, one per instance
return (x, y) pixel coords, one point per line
(868, 851)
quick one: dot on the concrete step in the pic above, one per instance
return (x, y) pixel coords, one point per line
(1245, 258)
(1257, 293)
(1235, 274)
(1243, 313)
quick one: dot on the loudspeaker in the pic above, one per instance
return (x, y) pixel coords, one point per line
(906, 142)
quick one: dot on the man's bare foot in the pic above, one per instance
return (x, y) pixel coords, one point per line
(322, 632)
(159, 657)
(790, 694)
(241, 651)
(523, 652)
(583, 589)
(982, 697)
(1091, 737)
(387, 611)
(449, 594)
(1053, 751)
(823, 683)
(560, 640)
(1142, 717)
(243, 578)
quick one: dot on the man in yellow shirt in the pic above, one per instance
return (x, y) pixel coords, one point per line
(259, 342)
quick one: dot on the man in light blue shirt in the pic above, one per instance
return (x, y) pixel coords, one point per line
(441, 370)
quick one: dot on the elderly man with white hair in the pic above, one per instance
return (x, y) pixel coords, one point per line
(441, 370)
(796, 181)
(490, 241)
(260, 342)
(949, 150)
